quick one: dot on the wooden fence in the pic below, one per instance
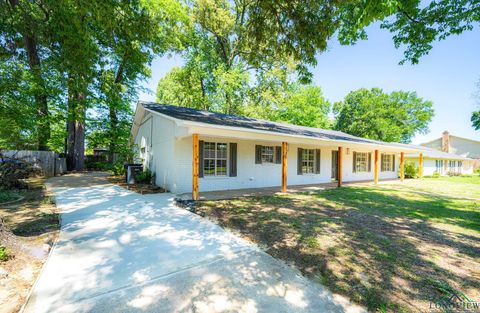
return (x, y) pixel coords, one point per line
(47, 161)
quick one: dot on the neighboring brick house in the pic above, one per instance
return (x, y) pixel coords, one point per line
(465, 147)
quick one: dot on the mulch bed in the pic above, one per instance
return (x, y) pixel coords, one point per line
(138, 188)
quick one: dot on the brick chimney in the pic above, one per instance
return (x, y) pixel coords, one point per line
(445, 141)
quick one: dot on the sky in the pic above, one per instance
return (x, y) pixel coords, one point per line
(447, 76)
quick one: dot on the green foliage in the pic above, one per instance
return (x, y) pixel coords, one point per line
(8, 195)
(373, 114)
(411, 170)
(417, 25)
(87, 62)
(118, 168)
(436, 175)
(476, 120)
(3, 254)
(145, 177)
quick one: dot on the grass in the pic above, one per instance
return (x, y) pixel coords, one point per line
(25, 227)
(455, 186)
(386, 249)
(8, 195)
(3, 254)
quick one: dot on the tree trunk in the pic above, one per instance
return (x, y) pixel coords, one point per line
(79, 146)
(40, 94)
(115, 100)
(113, 133)
(76, 125)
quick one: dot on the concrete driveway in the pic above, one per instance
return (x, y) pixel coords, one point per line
(119, 251)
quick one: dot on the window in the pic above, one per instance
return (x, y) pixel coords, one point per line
(215, 159)
(267, 154)
(438, 166)
(387, 164)
(361, 162)
(308, 161)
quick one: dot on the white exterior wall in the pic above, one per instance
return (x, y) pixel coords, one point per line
(251, 175)
(157, 136)
(429, 166)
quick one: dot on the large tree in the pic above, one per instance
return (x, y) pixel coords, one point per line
(374, 114)
(86, 57)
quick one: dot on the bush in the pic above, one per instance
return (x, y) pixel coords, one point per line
(436, 175)
(3, 254)
(411, 170)
(118, 168)
(453, 174)
(144, 177)
(13, 171)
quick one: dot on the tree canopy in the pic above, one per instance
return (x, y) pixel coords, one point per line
(374, 114)
(70, 70)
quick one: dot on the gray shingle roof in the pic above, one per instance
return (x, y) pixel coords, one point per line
(194, 115)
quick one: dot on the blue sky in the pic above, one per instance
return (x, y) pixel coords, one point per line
(447, 76)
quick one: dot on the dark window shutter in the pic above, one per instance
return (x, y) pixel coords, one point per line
(278, 154)
(393, 161)
(233, 159)
(369, 161)
(200, 158)
(299, 161)
(317, 161)
(354, 167)
(258, 154)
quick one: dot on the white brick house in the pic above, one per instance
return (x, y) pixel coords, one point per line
(195, 151)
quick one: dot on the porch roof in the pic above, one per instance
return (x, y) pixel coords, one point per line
(247, 124)
(437, 154)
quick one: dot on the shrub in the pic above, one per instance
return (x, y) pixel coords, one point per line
(118, 168)
(436, 175)
(453, 173)
(144, 177)
(411, 170)
(13, 171)
(3, 254)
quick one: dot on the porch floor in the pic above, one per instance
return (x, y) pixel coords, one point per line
(268, 191)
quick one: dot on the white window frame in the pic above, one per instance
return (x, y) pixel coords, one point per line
(215, 159)
(308, 161)
(359, 163)
(265, 153)
(387, 165)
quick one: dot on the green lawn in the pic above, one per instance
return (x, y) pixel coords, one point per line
(456, 186)
(390, 250)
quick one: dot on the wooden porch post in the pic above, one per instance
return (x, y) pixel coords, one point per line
(402, 166)
(284, 166)
(420, 169)
(375, 169)
(339, 168)
(195, 158)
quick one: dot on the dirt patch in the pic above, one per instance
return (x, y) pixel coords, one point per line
(28, 229)
(138, 188)
(362, 243)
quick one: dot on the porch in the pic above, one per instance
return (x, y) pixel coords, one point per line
(268, 191)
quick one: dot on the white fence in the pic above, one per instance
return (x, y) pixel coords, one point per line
(47, 161)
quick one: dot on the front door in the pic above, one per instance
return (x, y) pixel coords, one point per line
(334, 165)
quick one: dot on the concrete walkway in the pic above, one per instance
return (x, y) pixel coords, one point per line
(119, 251)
